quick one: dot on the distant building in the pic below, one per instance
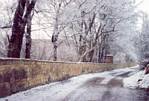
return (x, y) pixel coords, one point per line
(108, 58)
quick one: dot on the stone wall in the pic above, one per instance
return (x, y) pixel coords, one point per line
(20, 74)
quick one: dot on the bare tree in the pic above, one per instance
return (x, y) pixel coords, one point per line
(94, 22)
(59, 26)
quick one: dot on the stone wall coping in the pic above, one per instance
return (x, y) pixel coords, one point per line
(45, 61)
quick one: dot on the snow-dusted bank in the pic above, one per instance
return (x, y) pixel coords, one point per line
(138, 80)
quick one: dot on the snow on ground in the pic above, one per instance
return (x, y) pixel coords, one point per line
(138, 80)
(132, 81)
(59, 90)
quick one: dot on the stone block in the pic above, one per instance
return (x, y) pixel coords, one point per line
(4, 89)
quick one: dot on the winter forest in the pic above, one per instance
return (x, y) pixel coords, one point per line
(72, 30)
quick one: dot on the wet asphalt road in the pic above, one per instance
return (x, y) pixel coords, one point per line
(113, 91)
(105, 89)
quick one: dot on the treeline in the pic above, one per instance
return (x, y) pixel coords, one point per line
(95, 28)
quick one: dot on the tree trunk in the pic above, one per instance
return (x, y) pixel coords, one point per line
(15, 42)
(55, 35)
(28, 38)
(54, 41)
(21, 16)
(55, 51)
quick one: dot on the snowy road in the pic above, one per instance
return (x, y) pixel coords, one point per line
(106, 86)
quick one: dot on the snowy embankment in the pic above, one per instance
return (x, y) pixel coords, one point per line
(138, 80)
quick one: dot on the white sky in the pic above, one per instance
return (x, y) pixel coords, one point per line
(144, 5)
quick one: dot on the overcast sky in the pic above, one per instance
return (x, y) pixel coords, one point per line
(144, 5)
